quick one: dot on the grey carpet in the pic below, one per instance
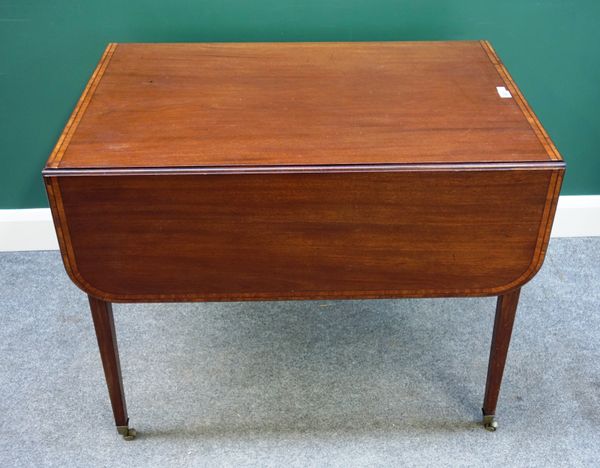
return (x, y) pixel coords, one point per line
(339, 383)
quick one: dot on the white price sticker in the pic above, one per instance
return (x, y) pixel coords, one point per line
(503, 92)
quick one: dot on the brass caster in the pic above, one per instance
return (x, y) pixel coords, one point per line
(127, 432)
(490, 423)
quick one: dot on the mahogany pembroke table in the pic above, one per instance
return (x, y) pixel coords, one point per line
(273, 171)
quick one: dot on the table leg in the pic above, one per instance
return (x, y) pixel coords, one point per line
(503, 325)
(104, 324)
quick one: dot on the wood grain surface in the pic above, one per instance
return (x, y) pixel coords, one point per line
(295, 104)
(304, 236)
(302, 171)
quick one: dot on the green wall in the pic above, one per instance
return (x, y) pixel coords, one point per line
(48, 48)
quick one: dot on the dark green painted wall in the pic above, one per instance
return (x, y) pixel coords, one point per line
(48, 48)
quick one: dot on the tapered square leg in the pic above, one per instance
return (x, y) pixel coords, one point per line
(102, 316)
(506, 309)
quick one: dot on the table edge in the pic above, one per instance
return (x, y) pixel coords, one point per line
(305, 169)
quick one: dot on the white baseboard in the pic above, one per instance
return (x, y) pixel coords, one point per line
(32, 229)
(27, 230)
(577, 216)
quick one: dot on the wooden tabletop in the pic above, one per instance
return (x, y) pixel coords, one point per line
(300, 104)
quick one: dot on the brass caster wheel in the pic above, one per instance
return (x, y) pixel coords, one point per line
(127, 432)
(490, 423)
